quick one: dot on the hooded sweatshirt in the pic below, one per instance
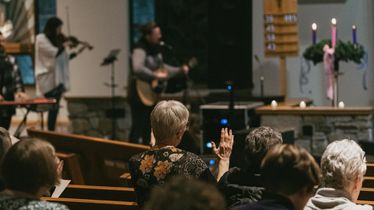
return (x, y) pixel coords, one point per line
(330, 198)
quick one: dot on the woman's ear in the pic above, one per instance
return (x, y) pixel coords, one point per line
(357, 185)
(152, 142)
(180, 133)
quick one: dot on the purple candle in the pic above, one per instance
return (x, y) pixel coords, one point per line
(354, 34)
(314, 33)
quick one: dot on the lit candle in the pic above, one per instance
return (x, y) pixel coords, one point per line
(333, 32)
(274, 104)
(302, 104)
(314, 33)
(341, 104)
(354, 34)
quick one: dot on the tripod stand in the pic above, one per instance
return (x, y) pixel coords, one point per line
(110, 60)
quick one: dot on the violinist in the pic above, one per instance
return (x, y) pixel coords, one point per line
(53, 51)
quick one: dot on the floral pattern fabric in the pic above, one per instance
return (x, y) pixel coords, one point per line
(10, 203)
(154, 167)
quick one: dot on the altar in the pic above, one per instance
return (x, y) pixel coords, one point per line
(320, 124)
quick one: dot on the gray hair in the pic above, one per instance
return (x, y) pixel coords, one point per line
(257, 143)
(168, 118)
(341, 163)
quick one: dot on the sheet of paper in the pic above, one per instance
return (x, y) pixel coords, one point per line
(60, 188)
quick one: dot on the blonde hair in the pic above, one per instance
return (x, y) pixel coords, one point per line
(167, 119)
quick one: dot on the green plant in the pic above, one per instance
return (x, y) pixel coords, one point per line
(344, 51)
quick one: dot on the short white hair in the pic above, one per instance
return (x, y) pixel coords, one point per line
(341, 163)
(168, 118)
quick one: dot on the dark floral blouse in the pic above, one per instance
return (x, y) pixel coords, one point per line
(154, 167)
(12, 203)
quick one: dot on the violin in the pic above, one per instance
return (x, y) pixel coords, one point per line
(74, 42)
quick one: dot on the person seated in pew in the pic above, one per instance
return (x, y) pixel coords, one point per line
(343, 167)
(181, 193)
(29, 169)
(243, 185)
(290, 175)
(5, 144)
(169, 120)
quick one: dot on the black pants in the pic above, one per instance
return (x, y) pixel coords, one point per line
(141, 124)
(55, 93)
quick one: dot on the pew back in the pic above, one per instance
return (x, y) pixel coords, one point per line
(102, 161)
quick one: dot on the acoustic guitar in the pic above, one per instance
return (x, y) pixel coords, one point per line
(149, 93)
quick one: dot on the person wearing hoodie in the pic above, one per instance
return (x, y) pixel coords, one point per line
(243, 185)
(343, 167)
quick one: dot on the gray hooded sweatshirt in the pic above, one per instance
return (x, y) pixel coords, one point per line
(329, 198)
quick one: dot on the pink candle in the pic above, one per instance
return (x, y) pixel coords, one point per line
(333, 32)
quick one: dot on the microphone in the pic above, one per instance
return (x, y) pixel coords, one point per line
(168, 46)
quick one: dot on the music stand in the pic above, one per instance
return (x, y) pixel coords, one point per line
(109, 60)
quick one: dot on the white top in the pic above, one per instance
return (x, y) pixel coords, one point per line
(50, 71)
(45, 55)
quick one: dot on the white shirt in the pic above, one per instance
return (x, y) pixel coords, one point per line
(50, 70)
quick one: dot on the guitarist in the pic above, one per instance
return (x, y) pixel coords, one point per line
(148, 71)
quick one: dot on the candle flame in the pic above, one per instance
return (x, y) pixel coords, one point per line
(333, 21)
(314, 26)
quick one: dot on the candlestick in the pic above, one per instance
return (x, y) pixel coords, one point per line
(333, 32)
(354, 34)
(314, 33)
(262, 86)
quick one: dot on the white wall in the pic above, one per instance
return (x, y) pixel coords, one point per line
(347, 14)
(104, 24)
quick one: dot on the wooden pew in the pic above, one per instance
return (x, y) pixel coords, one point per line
(367, 191)
(366, 194)
(370, 169)
(102, 161)
(99, 192)
(91, 204)
(72, 167)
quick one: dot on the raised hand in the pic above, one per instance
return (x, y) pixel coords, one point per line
(224, 149)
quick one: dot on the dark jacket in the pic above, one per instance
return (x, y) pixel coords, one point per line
(10, 82)
(240, 187)
(269, 202)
